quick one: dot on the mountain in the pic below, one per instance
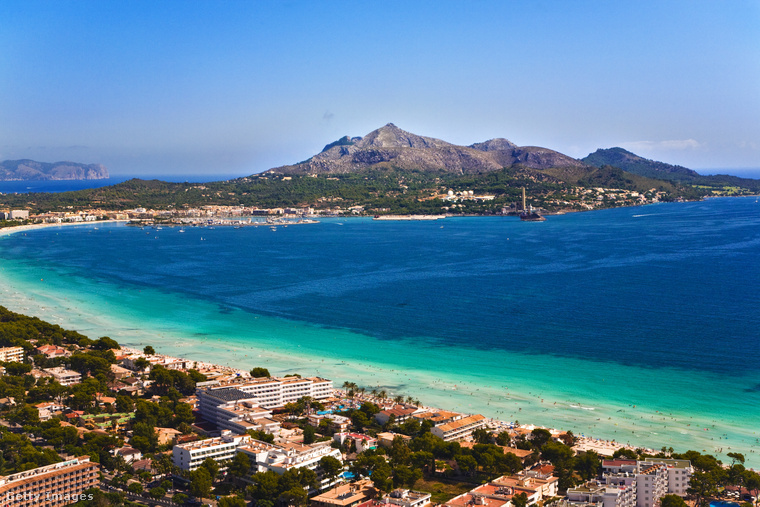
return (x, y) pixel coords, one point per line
(391, 147)
(31, 170)
(632, 163)
(627, 161)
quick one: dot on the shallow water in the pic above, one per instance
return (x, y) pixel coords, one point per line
(638, 324)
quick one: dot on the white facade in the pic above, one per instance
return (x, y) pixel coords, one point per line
(679, 473)
(232, 409)
(189, 456)
(280, 458)
(651, 485)
(63, 376)
(276, 392)
(12, 354)
(459, 429)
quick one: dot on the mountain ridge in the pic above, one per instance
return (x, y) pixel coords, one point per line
(389, 146)
(26, 169)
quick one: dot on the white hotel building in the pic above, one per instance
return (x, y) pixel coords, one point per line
(276, 392)
(189, 456)
(232, 409)
(280, 458)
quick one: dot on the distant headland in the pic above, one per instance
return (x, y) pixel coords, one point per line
(26, 169)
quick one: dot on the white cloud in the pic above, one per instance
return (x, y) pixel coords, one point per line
(669, 145)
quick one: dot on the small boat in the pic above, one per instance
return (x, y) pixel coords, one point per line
(182, 230)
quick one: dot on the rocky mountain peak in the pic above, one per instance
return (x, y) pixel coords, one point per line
(390, 136)
(498, 144)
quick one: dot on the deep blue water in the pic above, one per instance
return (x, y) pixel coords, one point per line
(662, 285)
(23, 187)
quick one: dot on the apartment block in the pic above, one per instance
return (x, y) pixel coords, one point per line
(12, 354)
(189, 456)
(232, 409)
(63, 376)
(459, 429)
(50, 486)
(280, 458)
(276, 392)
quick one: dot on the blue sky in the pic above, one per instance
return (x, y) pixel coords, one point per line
(202, 87)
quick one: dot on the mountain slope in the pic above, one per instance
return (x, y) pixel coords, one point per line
(632, 163)
(392, 147)
(31, 170)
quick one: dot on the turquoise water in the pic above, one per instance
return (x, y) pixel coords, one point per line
(636, 324)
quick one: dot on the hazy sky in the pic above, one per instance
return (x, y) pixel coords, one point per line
(223, 87)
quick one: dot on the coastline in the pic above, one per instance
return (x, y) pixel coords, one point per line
(520, 386)
(275, 347)
(6, 231)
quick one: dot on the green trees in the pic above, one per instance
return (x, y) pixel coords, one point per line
(149, 351)
(520, 500)
(330, 466)
(260, 372)
(286, 489)
(200, 483)
(240, 465)
(672, 501)
(588, 465)
(702, 486)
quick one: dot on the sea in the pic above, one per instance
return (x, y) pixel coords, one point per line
(55, 186)
(640, 325)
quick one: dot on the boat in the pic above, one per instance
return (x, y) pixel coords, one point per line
(528, 214)
(531, 216)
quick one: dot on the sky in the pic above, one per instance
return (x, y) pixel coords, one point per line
(236, 88)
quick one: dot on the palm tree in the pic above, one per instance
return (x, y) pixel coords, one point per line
(410, 400)
(382, 394)
(398, 399)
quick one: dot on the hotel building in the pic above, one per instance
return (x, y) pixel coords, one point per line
(277, 392)
(49, 486)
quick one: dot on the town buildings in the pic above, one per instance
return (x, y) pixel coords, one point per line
(12, 354)
(460, 428)
(279, 458)
(49, 486)
(189, 456)
(232, 409)
(63, 376)
(275, 392)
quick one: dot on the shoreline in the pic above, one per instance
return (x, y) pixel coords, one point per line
(293, 346)
(7, 231)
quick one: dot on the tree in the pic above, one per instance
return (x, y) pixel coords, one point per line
(200, 483)
(106, 343)
(135, 488)
(672, 501)
(240, 465)
(503, 438)
(309, 434)
(702, 486)
(481, 436)
(260, 372)
(157, 492)
(381, 477)
(295, 496)
(539, 437)
(212, 467)
(587, 464)
(231, 501)
(330, 466)
(149, 351)
(265, 486)
(467, 464)
(520, 500)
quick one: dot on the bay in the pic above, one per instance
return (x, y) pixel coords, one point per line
(635, 324)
